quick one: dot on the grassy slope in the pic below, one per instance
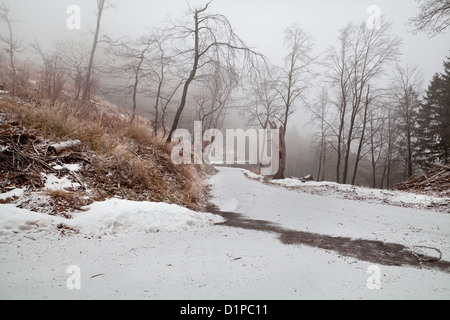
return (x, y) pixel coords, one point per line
(120, 159)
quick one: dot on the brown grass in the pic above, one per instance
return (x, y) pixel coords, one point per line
(129, 161)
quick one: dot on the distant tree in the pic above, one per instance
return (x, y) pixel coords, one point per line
(53, 75)
(131, 55)
(3, 68)
(263, 105)
(433, 18)
(13, 44)
(75, 56)
(433, 121)
(208, 38)
(214, 96)
(405, 89)
(162, 80)
(391, 142)
(293, 80)
(88, 83)
(320, 109)
(360, 58)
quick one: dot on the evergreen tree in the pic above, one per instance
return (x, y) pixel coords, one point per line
(433, 121)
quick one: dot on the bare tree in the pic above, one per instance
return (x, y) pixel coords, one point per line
(392, 138)
(213, 36)
(293, 80)
(89, 79)
(362, 57)
(405, 88)
(75, 55)
(3, 68)
(377, 138)
(433, 18)
(13, 44)
(165, 101)
(263, 106)
(338, 63)
(214, 97)
(53, 75)
(163, 83)
(320, 110)
(370, 131)
(129, 57)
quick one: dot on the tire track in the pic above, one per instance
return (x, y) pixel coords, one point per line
(377, 252)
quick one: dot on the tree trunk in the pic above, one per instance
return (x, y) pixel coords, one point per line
(283, 153)
(361, 141)
(135, 88)
(88, 81)
(188, 81)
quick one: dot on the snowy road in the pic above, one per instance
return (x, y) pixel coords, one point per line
(248, 256)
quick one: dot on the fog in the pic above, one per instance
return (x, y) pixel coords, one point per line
(260, 23)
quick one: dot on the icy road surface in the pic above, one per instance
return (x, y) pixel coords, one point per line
(267, 242)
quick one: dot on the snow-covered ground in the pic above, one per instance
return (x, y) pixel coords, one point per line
(128, 250)
(399, 198)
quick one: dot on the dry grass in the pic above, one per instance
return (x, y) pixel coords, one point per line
(129, 161)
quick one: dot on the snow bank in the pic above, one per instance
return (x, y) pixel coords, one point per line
(355, 192)
(117, 216)
(12, 194)
(15, 220)
(110, 217)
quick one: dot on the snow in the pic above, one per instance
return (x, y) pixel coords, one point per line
(14, 220)
(71, 167)
(367, 194)
(121, 256)
(116, 216)
(12, 194)
(54, 183)
(110, 217)
(327, 215)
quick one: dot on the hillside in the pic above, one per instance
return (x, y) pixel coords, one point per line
(59, 159)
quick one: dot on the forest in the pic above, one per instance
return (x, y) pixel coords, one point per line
(374, 120)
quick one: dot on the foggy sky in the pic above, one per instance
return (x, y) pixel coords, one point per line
(259, 22)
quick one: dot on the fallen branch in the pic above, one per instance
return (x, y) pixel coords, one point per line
(441, 166)
(63, 146)
(73, 175)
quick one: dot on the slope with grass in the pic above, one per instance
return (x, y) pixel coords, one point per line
(112, 159)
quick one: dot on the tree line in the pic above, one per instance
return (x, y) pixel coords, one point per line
(368, 109)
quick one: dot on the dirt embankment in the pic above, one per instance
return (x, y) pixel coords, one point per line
(65, 157)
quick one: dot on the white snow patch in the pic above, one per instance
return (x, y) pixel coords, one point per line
(117, 216)
(12, 193)
(71, 167)
(355, 192)
(15, 220)
(110, 217)
(55, 184)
